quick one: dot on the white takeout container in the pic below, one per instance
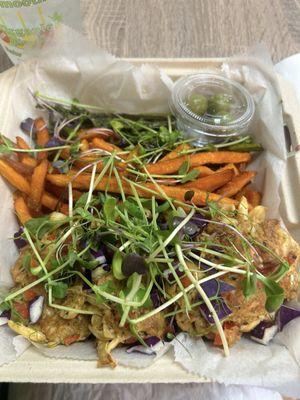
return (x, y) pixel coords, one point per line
(32, 366)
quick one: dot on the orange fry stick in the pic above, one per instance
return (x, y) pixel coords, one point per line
(14, 178)
(22, 209)
(84, 161)
(51, 202)
(65, 154)
(19, 167)
(132, 154)
(236, 184)
(204, 171)
(176, 152)
(211, 182)
(62, 193)
(23, 157)
(178, 193)
(216, 157)
(22, 144)
(253, 197)
(230, 166)
(42, 136)
(20, 183)
(88, 134)
(37, 184)
(103, 145)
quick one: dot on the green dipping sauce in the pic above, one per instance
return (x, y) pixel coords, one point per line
(218, 105)
(197, 103)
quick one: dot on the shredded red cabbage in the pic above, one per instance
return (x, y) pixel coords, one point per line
(220, 307)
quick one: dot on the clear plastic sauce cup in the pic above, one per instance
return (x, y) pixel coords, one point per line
(210, 108)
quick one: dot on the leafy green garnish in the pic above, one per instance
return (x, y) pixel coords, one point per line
(190, 176)
(109, 208)
(81, 201)
(168, 137)
(117, 265)
(109, 287)
(249, 285)
(26, 261)
(5, 306)
(59, 289)
(39, 226)
(184, 168)
(274, 293)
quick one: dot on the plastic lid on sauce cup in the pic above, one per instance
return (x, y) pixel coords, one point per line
(210, 107)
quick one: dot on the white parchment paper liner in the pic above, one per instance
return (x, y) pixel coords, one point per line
(77, 69)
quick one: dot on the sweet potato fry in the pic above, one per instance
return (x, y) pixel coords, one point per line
(216, 157)
(21, 209)
(84, 161)
(23, 157)
(37, 184)
(211, 182)
(42, 136)
(22, 144)
(82, 182)
(91, 133)
(65, 154)
(176, 152)
(253, 197)
(62, 193)
(52, 202)
(236, 184)
(132, 154)
(19, 167)
(204, 171)
(230, 166)
(14, 178)
(29, 161)
(103, 145)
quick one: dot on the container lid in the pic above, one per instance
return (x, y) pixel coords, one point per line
(215, 103)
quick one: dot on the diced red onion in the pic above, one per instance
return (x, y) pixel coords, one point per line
(36, 309)
(215, 287)
(61, 166)
(189, 228)
(285, 314)
(199, 220)
(154, 344)
(154, 296)
(99, 256)
(53, 142)
(88, 276)
(264, 332)
(19, 241)
(152, 340)
(208, 269)
(4, 317)
(220, 307)
(28, 126)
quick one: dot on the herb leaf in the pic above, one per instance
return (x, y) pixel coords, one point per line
(109, 208)
(59, 289)
(184, 168)
(190, 176)
(249, 285)
(274, 293)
